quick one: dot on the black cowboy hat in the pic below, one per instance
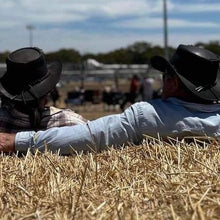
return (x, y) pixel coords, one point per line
(28, 77)
(197, 68)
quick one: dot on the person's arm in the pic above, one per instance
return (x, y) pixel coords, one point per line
(96, 135)
(7, 142)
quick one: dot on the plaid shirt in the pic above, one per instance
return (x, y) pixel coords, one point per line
(15, 121)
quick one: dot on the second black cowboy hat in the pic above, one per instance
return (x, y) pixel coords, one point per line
(197, 68)
(28, 77)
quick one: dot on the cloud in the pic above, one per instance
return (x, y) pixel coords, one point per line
(200, 7)
(103, 25)
(129, 7)
(157, 23)
(52, 11)
(48, 12)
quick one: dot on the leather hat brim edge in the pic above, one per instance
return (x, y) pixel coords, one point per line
(40, 89)
(211, 94)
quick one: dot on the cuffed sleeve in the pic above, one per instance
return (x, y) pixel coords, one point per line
(24, 141)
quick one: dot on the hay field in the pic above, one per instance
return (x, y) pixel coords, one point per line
(155, 180)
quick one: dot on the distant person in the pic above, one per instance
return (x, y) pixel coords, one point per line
(24, 91)
(133, 92)
(147, 88)
(189, 107)
(76, 97)
(116, 97)
(111, 97)
(107, 97)
(82, 95)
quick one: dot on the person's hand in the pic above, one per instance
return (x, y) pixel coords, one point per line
(7, 142)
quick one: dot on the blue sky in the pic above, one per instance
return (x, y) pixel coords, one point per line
(104, 25)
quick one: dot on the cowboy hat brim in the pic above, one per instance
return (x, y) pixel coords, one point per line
(40, 88)
(211, 93)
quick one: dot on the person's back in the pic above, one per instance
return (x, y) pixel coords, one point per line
(13, 120)
(24, 89)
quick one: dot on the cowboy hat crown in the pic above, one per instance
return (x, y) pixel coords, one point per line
(27, 76)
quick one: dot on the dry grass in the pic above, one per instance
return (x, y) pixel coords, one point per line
(155, 180)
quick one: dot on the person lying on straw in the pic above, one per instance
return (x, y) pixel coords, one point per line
(189, 106)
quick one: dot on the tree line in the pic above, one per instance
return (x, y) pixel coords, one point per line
(136, 53)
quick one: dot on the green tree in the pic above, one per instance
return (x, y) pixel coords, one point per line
(3, 56)
(213, 46)
(64, 55)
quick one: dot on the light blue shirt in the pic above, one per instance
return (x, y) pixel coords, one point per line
(172, 117)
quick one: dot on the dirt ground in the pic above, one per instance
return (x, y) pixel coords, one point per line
(89, 110)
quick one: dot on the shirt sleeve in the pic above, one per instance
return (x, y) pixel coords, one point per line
(113, 130)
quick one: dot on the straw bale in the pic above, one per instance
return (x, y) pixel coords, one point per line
(155, 180)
